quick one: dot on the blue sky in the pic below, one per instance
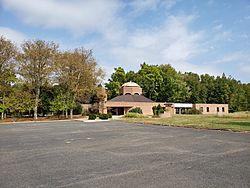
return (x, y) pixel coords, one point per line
(202, 36)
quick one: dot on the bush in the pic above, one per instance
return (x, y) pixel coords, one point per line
(78, 109)
(103, 116)
(192, 111)
(137, 110)
(110, 115)
(133, 115)
(92, 116)
(157, 110)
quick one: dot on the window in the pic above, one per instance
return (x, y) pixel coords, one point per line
(201, 109)
(223, 109)
(207, 109)
(218, 109)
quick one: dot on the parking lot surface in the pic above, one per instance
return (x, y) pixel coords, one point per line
(117, 154)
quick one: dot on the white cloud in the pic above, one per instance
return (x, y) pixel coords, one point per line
(139, 6)
(235, 64)
(245, 69)
(210, 2)
(218, 27)
(12, 35)
(76, 15)
(247, 17)
(236, 57)
(171, 43)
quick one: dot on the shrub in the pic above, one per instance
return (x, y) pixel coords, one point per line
(192, 111)
(92, 116)
(78, 109)
(157, 110)
(110, 115)
(133, 115)
(137, 110)
(103, 116)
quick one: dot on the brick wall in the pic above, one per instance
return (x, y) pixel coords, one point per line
(145, 106)
(132, 90)
(212, 108)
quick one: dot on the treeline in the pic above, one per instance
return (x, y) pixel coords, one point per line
(163, 83)
(37, 78)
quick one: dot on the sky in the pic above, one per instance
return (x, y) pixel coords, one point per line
(201, 36)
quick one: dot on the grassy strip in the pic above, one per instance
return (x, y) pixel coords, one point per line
(233, 123)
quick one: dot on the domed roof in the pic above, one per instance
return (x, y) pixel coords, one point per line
(130, 84)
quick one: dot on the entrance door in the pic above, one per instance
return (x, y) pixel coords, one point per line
(120, 111)
(117, 110)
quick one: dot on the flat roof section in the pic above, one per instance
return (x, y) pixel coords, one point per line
(183, 105)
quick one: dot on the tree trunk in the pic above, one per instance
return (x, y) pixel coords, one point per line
(36, 103)
(66, 113)
(2, 115)
(71, 113)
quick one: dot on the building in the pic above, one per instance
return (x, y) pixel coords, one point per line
(131, 97)
(219, 109)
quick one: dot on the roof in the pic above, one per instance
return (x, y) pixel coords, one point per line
(183, 105)
(130, 84)
(131, 98)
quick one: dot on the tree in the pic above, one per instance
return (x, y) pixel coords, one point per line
(208, 92)
(151, 80)
(7, 73)
(117, 79)
(193, 82)
(59, 104)
(173, 88)
(77, 74)
(36, 65)
(132, 76)
(19, 101)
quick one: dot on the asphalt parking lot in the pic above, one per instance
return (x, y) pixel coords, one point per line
(117, 154)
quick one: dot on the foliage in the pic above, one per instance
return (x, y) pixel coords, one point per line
(54, 80)
(117, 79)
(133, 115)
(157, 110)
(103, 116)
(77, 74)
(92, 116)
(7, 71)
(58, 104)
(136, 110)
(36, 65)
(78, 109)
(109, 115)
(192, 111)
(19, 102)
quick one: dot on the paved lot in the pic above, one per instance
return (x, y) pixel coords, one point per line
(116, 154)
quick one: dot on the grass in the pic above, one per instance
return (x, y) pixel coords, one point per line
(234, 122)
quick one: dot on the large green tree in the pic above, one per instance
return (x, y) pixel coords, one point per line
(150, 80)
(7, 71)
(77, 74)
(36, 65)
(115, 82)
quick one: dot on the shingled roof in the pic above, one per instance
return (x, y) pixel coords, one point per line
(131, 98)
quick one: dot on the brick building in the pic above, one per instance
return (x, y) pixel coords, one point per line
(131, 97)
